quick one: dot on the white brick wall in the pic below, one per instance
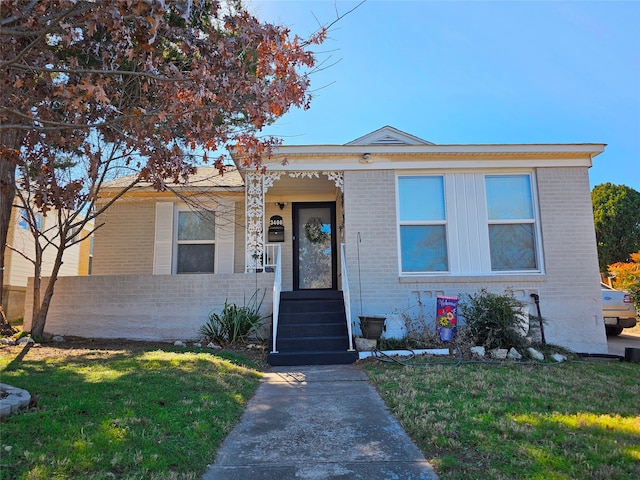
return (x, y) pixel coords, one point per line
(146, 307)
(571, 296)
(171, 307)
(569, 290)
(124, 244)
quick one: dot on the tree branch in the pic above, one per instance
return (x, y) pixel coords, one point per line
(14, 249)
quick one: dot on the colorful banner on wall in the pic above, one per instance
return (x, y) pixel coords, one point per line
(446, 318)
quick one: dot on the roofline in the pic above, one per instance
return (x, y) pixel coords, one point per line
(449, 149)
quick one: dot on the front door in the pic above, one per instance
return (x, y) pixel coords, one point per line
(314, 246)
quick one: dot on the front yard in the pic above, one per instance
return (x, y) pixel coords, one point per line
(126, 412)
(160, 412)
(574, 420)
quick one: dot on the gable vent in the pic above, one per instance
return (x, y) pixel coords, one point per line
(388, 140)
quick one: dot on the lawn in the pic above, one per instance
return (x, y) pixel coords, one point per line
(160, 412)
(126, 413)
(576, 420)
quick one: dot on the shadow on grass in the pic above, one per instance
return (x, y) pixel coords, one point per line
(137, 414)
(575, 420)
(15, 363)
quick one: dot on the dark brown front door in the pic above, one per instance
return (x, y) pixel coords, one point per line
(314, 246)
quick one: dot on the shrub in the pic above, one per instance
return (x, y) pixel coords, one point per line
(234, 322)
(494, 320)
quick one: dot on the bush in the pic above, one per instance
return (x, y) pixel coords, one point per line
(493, 320)
(234, 322)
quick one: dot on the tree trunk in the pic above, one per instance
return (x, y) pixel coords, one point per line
(5, 328)
(41, 308)
(36, 328)
(9, 148)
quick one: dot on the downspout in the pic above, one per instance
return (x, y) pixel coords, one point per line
(536, 299)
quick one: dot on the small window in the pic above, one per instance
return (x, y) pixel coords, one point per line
(23, 222)
(195, 242)
(423, 232)
(512, 233)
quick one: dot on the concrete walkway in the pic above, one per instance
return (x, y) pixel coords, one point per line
(318, 422)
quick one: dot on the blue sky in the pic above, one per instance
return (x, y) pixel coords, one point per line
(465, 72)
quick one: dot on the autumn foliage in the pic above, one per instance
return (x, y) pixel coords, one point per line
(91, 88)
(627, 277)
(155, 78)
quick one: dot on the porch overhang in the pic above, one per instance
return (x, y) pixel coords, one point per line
(384, 157)
(281, 186)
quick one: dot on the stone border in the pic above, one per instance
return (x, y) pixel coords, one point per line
(15, 399)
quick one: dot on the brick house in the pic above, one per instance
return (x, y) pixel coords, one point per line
(381, 225)
(18, 269)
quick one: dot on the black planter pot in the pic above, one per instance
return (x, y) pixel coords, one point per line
(372, 326)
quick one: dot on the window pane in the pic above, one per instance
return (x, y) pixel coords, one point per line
(24, 224)
(424, 248)
(512, 247)
(195, 258)
(509, 197)
(421, 198)
(196, 225)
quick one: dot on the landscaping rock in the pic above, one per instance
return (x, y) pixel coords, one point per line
(57, 338)
(178, 343)
(12, 399)
(214, 346)
(478, 351)
(535, 353)
(514, 354)
(559, 357)
(197, 345)
(8, 341)
(499, 353)
(365, 344)
(26, 340)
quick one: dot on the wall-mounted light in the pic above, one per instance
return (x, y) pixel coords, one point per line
(366, 158)
(281, 205)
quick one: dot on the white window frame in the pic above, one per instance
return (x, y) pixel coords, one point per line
(467, 223)
(177, 242)
(166, 232)
(403, 223)
(528, 221)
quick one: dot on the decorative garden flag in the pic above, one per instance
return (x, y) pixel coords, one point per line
(446, 318)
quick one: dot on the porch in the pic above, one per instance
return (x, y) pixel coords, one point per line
(146, 307)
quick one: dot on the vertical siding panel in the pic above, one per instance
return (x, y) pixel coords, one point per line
(163, 245)
(482, 232)
(455, 236)
(225, 224)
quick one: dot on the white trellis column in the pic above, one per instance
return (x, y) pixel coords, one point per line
(256, 186)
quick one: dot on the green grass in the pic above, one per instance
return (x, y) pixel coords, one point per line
(151, 413)
(577, 420)
(147, 414)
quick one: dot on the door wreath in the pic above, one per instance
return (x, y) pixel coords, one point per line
(313, 231)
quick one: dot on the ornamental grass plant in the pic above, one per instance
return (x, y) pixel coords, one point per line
(234, 322)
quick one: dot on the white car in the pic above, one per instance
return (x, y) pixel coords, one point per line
(617, 309)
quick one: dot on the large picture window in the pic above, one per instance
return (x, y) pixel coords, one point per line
(511, 221)
(468, 223)
(195, 242)
(423, 232)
